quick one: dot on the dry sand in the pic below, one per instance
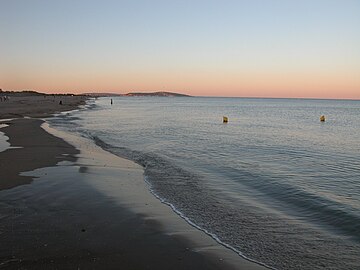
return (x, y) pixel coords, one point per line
(38, 106)
(89, 209)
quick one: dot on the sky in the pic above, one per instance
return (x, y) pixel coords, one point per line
(253, 48)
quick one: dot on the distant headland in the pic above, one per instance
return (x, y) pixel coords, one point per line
(93, 94)
(156, 94)
(140, 94)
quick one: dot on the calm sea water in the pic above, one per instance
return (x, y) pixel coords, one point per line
(274, 184)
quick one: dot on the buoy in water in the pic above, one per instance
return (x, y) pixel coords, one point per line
(322, 118)
(225, 119)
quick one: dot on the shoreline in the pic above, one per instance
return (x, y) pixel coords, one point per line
(93, 193)
(39, 106)
(14, 116)
(106, 147)
(25, 153)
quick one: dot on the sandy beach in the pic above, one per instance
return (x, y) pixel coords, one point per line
(38, 106)
(68, 204)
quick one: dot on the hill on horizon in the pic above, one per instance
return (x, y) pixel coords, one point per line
(156, 94)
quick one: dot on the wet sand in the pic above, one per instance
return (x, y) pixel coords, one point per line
(66, 207)
(37, 149)
(32, 154)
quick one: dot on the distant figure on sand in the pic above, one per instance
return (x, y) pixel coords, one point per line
(111, 102)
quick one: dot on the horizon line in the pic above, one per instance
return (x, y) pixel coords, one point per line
(189, 95)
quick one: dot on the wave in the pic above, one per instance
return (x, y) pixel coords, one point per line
(317, 208)
(152, 164)
(259, 236)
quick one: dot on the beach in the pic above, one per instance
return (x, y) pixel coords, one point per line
(279, 191)
(38, 105)
(68, 204)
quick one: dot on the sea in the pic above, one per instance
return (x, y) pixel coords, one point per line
(274, 184)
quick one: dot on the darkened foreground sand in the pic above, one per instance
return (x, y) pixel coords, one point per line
(90, 211)
(38, 106)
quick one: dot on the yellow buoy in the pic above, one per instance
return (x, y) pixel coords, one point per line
(225, 119)
(322, 118)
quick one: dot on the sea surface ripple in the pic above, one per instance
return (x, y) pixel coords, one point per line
(274, 183)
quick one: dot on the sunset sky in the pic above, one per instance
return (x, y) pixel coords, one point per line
(236, 48)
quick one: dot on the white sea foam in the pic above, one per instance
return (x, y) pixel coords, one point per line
(4, 144)
(212, 235)
(263, 185)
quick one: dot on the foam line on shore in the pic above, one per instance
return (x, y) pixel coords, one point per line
(4, 140)
(4, 144)
(150, 188)
(212, 235)
(138, 196)
(90, 103)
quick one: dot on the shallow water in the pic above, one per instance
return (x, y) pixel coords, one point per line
(274, 183)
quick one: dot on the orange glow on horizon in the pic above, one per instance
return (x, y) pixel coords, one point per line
(250, 84)
(286, 49)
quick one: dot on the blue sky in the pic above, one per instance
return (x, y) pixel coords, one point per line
(200, 46)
